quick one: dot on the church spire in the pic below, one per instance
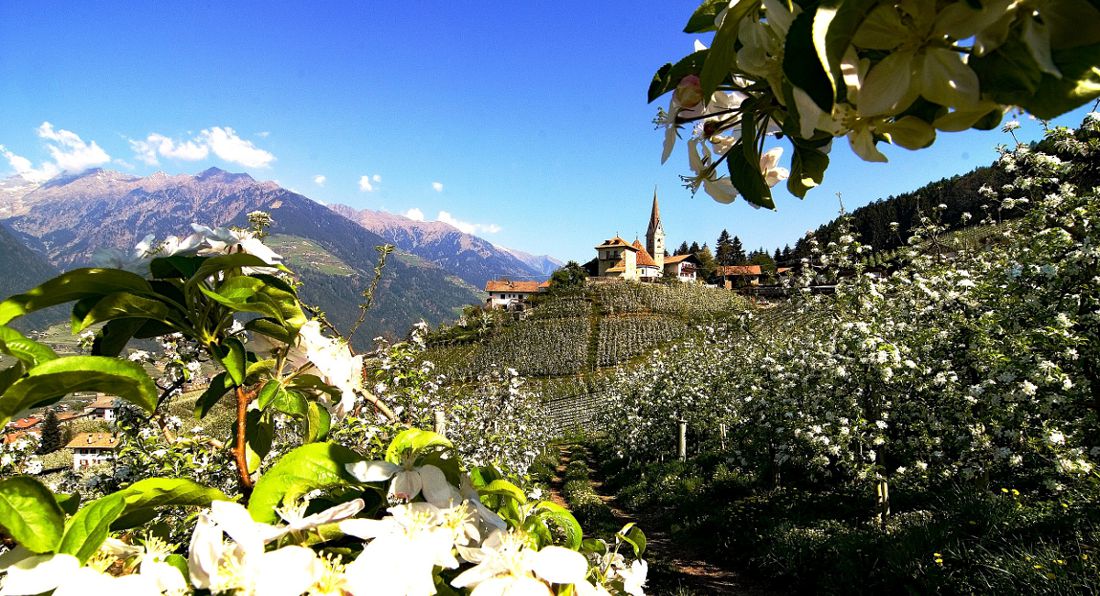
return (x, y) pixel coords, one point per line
(655, 235)
(655, 215)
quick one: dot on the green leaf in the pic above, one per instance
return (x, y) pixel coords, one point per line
(1079, 84)
(552, 513)
(268, 393)
(68, 503)
(702, 20)
(314, 466)
(28, 351)
(668, 76)
(259, 432)
(217, 389)
(176, 266)
(231, 355)
(119, 305)
(746, 176)
(723, 52)
(86, 531)
(318, 422)
(73, 285)
(270, 328)
(30, 514)
(801, 63)
(10, 375)
(1008, 74)
(145, 496)
(834, 25)
(309, 382)
(415, 440)
(249, 294)
(504, 488)
(57, 378)
(180, 563)
(808, 167)
(635, 537)
(113, 337)
(221, 263)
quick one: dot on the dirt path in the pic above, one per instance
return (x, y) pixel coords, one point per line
(675, 568)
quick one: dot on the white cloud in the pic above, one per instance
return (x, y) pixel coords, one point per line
(263, 134)
(70, 153)
(437, 186)
(24, 168)
(223, 142)
(157, 144)
(467, 227)
(319, 180)
(415, 214)
(366, 183)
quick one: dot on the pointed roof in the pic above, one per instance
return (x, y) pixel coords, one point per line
(643, 259)
(616, 242)
(655, 215)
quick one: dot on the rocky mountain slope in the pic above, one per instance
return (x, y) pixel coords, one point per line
(75, 216)
(471, 258)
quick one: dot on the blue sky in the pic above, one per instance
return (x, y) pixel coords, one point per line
(525, 120)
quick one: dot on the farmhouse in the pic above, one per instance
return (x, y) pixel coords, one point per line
(103, 408)
(92, 448)
(618, 259)
(511, 295)
(737, 276)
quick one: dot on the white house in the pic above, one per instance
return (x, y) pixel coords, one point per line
(92, 448)
(103, 408)
(510, 294)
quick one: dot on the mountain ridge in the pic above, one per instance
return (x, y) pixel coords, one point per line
(470, 257)
(74, 216)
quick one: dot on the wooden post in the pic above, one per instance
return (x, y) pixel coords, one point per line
(882, 490)
(683, 440)
(440, 423)
(722, 435)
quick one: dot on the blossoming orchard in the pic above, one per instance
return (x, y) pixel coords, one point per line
(960, 383)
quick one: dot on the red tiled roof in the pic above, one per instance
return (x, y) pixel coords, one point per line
(93, 441)
(782, 269)
(643, 258)
(503, 285)
(105, 402)
(676, 258)
(544, 285)
(738, 270)
(25, 423)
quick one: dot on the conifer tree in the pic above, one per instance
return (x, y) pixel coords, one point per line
(694, 248)
(738, 252)
(683, 250)
(51, 434)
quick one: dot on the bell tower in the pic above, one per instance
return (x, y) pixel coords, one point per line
(655, 235)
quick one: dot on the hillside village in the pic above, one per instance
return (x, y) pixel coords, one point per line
(617, 260)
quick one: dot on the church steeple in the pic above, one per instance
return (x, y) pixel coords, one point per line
(655, 235)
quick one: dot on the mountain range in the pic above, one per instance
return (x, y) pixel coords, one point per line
(60, 224)
(474, 259)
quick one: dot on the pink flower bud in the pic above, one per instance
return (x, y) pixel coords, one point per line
(689, 92)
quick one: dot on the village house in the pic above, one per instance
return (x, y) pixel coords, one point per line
(618, 259)
(739, 276)
(92, 448)
(511, 295)
(103, 408)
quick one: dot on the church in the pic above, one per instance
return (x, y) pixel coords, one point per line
(618, 259)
